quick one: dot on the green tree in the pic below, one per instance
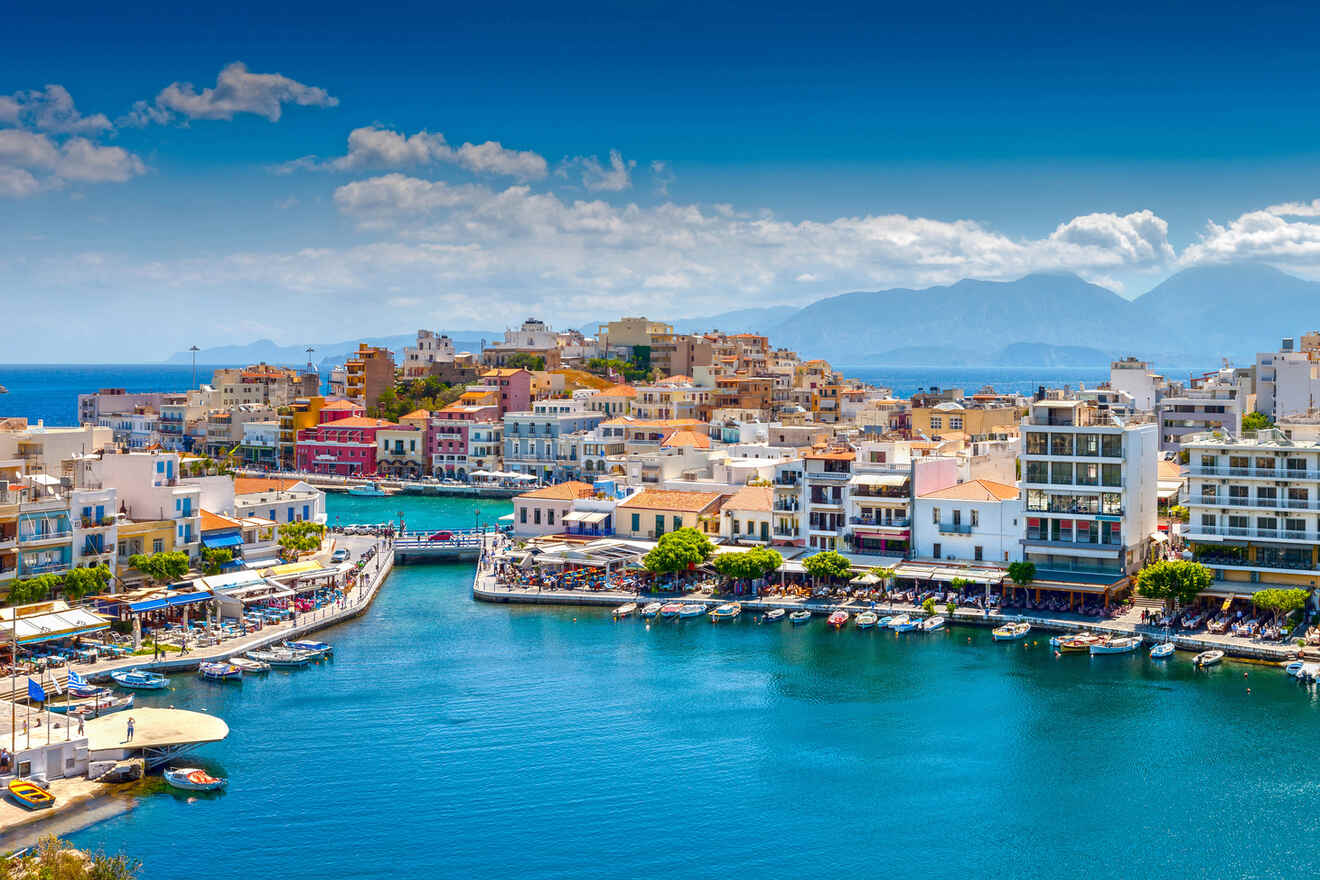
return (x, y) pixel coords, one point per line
(161, 568)
(828, 565)
(56, 859)
(1022, 573)
(1279, 602)
(677, 551)
(1254, 421)
(758, 562)
(300, 537)
(214, 559)
(79, 582)
(523, 360)
(1176, 581)
(1179, 513)
(929, 605)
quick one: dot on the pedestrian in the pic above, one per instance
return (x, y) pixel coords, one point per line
(130, 729)
(80, 725)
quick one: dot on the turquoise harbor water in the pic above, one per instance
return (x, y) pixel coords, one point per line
(455, 739)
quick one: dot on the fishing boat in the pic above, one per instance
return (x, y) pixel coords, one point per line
(370, 490)
(1208, 658)
(89, 709)
(1116, 645)
(671, 609)
(248, 665)
(30, 795)
(774, 615)
(81, 687)
(799, 617)
(1162, 651)
(866, 619)
(904, 623)
(1295, 668)
(220, 670)
(101, 694)
(727, 611)
(1011, 632)
(281, 658)
(193, 779)
(884, 622)
(651, 609)
(694, 609)
(930, 624)
(837, 619)
(625, 609)
(320, 649)
(1078, 644)
(1058, 639)
(140, 679)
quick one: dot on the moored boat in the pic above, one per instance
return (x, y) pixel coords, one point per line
(799, 617)
(884, 622)
(625, 609)
(904, 623)
(281, 658)
(773, 615)
(89, 709)
(930, 624)
(370, 490)
(102, 694)
(1011, 632)
(1162, 651)
(30, 795)
(727, 611)
(692, 609)
(140, 679)
(671, 609)
(319, 649)
(866, 620)
(248, 665)
(1208, 658)
(193, 779)
(1078, 644)
(1116, 645)
(221, 670)
(651, 609)
(837, 619)
(1295, 668)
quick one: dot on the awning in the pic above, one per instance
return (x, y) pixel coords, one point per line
(1166, 492)
(219, 541)
(575, 516)
(54, 625)
(508, 517)
(880, 479)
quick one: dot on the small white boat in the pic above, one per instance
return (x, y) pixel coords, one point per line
(1059, 638)
(370, 490)
(692, 609)
(837, 619)
(652, 609)
(884, 622)
(1011, 632)
(1208, 658)
(671, 609)
(193, 779)
(624, 610)
(1162, 651)
(799, 617)
(930, 624)
(866, 619)
(727, 611)
(140, 679)
(248, 665)
(1116, 645)
(1295, 668)
(281, 658)
(903, 623)
(774, 615)
(221, 670)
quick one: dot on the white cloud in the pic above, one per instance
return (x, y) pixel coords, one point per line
(380, 148)
(597, 177)
(237, 90)
(1261, 236)
(15, 183)
(1296, 209)
(661, 176)
(75, 159)
(51, 110)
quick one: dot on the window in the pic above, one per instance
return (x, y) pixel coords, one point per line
(1037, 443)
(522, 515)
(549, 517)
(976, 521)
(158, 545)
(1208, 520)
(936, 551)
(678, 522)
(1038, 472)
(936, 423)
(976, 553)
(1088, 444)
(536, 516)
(935, 515)
(1111, 475)
(659, 525)
(636, 522)
(955, 423)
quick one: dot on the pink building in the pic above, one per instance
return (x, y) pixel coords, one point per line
(515, 388)
(334, 410)
(342, 446)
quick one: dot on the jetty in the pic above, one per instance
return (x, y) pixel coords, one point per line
(158, 735)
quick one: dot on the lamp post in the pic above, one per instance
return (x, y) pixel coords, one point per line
(194, 351)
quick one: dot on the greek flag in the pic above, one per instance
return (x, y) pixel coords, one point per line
(35, 692)
(76, 680)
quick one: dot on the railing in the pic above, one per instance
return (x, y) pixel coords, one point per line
(786, 508)
(786, 484)
(1265, 473)
(1072, 510)
(45, 536)
(1270, 503)
(955, 528)
(1039, 538)
(1214, 560)
(830, 476)
(787, 533)
(1235, 532)
(45, 567)
(880, 523)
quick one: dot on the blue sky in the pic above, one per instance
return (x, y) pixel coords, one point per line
(317, 171)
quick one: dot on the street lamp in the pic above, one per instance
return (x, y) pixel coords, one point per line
(194, 351)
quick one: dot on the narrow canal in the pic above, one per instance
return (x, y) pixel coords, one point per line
(454, 739)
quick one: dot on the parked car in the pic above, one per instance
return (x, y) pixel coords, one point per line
(442, 536)
(340, 555)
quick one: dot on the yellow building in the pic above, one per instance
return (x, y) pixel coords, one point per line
(305, 412)
(146, 536)
(974, 421)
(653, 512)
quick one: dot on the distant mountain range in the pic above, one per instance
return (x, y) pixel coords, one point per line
(1192, 318)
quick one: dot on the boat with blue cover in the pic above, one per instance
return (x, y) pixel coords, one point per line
(140, 679)
(320, 649)
(221, 670)
(799, 617)
(727, 611)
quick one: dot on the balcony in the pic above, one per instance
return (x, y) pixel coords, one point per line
(1199, 531)
(829, 476)
(786, 533)
(955, 528)
(785, 482)
(1035, 537)
(51, 535)
(1258, 473)
(880, 523)
(45, 567)
(1264, 503)
(1276, 563)
(786, 507)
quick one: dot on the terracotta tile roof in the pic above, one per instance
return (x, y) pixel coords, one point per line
(976, 490)
(214, 522)
(675, 380)
(503, 372)
(416, 414)
(360, 422)
(340, 404)
(617, 391)
(665, 499)
(686, 438)
(253, 485)
(1169, 470)
(820, 455)
(566, 491)
(756, 498)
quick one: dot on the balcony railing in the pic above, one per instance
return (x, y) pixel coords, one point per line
(1263, 473)
(1199, 531)
(830, 476)
(44, 567)
(955, 528)
(880, 523)
(1268, 503)
(1277, 563)
(783, 507)
(53, 534)
(787, 533)
(1034, 537)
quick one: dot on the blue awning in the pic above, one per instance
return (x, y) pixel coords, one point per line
(217, 541)
(167, 602)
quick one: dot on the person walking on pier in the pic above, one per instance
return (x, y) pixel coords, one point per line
(130, 729)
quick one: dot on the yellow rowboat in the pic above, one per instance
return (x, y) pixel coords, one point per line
(30, 795)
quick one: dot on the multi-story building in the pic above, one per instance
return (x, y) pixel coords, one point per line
(1090, 482)
(1288, 380)
(827, 473)
(340, 446)
(1197, 411)
(679, 354)
(485, 447)
(12, 492)
(304, 412)
(401, 451)
(613, 401)
(180, 415)
(431, 348)
(45, 534)
(534, 338)
(651, 513)
(1254, 505)
(1136, 378)
(979, 520)
(621, 337)
(278, 501)
(368, 373)
(977, 422)
(93, 516)
(531, 438)
(113, 401)
(261, 384)
(515, 387)
(225, 427)
(135, 429)
(261, 443)
(148, 487)
(50, 451)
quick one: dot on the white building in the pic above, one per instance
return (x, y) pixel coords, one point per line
(1288, 381)
(1135, 378)
(147, 485)
(1090, 482)
(431, 348)
(93, 515)
(978, 521)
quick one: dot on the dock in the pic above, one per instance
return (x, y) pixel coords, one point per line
(159, 735)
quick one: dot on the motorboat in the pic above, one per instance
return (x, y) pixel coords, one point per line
(1011, 632)
(193, 779)
(101, 694)
(1116, 645)
(727, 611)
(81, 687)
(930, 624)
(140, 679)
(248, 665)
(651, 609)
(370, 490)
(799, 617)
(625, 609)
(774, 615)
(281, 658)
(89, 709)
(220, 670)
(671, 609)
(903, 623)
(1080, 643)
(1059, 638)
(866, 619)
(883, 623)
(320, 649)
(1208, 658)
(837, 619)
(28, 794)
(692, 609)
(1162, 651)
(1295, 668)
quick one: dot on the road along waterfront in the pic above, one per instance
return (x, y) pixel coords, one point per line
(454, 738)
